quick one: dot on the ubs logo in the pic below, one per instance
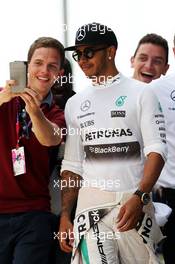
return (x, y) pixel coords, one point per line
(85, 105)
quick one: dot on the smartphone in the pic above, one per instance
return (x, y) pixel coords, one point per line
(18, 72)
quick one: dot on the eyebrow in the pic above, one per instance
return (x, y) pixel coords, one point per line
(155, 57)
(40, 60)
(89, 47)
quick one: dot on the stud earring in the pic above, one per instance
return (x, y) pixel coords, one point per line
(109, 58)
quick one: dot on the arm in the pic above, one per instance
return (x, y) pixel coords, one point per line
(47, 133)
(152, 169)
(69, 198)
(152, 124)
(131, 211)
(71, 171)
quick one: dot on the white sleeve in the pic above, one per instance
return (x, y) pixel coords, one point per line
(152, 124)
(74, 153)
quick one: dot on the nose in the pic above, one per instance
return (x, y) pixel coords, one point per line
(149, 63)
(45, 68)
(83, 57)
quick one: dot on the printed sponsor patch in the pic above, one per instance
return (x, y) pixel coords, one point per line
(127, 150)
(115, 113)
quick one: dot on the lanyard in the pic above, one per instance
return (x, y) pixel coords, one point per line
(17, 130)
(22, 127)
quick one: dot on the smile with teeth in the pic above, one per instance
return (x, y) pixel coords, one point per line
(43, 78)
(147, 74)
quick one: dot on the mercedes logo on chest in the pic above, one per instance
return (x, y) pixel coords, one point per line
(85, 105)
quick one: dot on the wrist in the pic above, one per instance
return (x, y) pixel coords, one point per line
(143, 196)
(65, 214)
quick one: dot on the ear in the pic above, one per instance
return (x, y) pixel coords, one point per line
(166, 69)
(111, 51)
(61, 73)
(174, 50)
(57, 78)
(132, 61)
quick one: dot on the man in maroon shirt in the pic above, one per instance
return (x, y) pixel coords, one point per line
(30, 128)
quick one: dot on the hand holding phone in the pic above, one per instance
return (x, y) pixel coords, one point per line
(18, 72)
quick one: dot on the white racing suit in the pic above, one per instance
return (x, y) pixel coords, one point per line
(97, 240)
(111, 131)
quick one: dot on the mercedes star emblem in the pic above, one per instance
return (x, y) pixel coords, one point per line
(85, 105)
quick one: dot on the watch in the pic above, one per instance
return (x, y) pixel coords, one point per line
(144, 197)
